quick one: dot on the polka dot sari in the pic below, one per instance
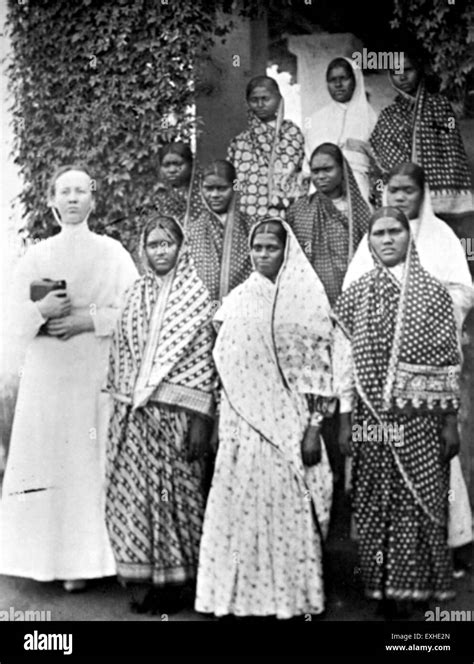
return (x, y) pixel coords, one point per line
(406, 370)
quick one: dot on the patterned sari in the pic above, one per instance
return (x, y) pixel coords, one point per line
(161, 370)
(424, 130)
(220, 249)
(266, 512)
(328, 237)
(268, 159)
(406, 372)
(182, 203)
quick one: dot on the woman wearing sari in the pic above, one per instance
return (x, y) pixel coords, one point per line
(421, 127)
(397, 332)
(268, 156)
(161, 378)
(218, 237)
(441, 255)
(439, 249)
(330, 223)
(177, 192)
(348, 120)
(268, 508)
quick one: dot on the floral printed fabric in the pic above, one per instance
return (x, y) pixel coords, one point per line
(268, 161)
(267, 512)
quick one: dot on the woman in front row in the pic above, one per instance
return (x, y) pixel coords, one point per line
(161, 379)
(268, 508)
(442, 255)
(397, 370)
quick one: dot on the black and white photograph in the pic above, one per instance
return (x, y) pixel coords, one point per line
(237, 330)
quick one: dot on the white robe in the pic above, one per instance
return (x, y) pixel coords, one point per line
(52, 523)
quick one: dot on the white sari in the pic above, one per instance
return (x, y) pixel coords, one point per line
(261, 548)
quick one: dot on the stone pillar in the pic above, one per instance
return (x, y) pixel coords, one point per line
(221, 80)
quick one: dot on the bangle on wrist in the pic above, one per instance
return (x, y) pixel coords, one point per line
(316, 419)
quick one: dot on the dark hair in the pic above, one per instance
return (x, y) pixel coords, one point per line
(331, 150)
(221, 168)
(414, 171)
(183, 150)
(271, 225)
(65, 169)
(164, 223)
(340, 62)
(392, 213)
(261, 81)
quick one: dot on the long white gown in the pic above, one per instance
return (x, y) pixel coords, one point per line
(52, 523)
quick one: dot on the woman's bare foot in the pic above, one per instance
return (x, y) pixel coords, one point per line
(74, 585)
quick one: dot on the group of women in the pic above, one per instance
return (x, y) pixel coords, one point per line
(264, 307)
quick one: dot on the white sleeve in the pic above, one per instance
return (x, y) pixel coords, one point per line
(343, 370)
(26, 318)
(105, 318)
(456, 275)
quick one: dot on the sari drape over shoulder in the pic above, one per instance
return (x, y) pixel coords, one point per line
(440, 253)
(268, 159)
(424, 130)
(406, 368)
(328, 237)
(161, 371)
(220, 249)
(267, 513)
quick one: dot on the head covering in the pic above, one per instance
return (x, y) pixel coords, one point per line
(220, 250)
(301, 325)
(328, 237)
(420, 129)
(271, 225)
(440, 253)
(162, 347)
(403, 337)
(338, 121)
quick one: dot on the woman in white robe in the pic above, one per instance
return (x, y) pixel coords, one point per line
(442, 255)
(347, 121)
(52, 521)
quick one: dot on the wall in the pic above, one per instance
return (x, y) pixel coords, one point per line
(221, 85)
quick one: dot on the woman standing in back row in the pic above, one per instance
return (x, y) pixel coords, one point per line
(268, 156)
(347, 121)
(421, 127)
